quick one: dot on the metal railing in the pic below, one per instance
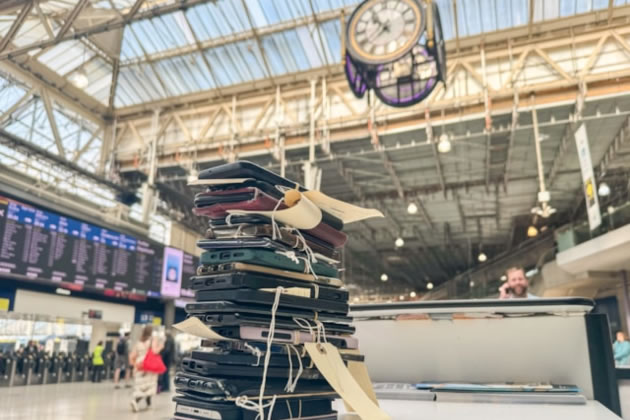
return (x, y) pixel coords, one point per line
(572, 235)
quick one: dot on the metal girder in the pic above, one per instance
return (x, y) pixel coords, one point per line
(70, 19)
(436, 154)
(497, 51)
(78, 153)
(611, 4)
(7, 114)
(319, 33)
(114, 85)
(258, 42)
(157, 11)
(29, 148)
(44, 20)
(456, 25)
(460, 210)
(347, 176)
(530, 21)
(438, 263)
(377, 257)
(200, 51)
(17, 24)
(568, 134)
(389, 166)
(53, 122)
(620, 138)
(425, 214)
(513, 125)
(600, 168)
(134, 9)
(38, 76)
(449, 238)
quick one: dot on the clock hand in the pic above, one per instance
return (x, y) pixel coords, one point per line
(384, 28)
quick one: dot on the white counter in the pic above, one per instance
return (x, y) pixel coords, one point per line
(432, 410)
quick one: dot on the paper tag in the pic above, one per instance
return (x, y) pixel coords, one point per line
(303, 215)
(348, 213)
(328, 361)
(219, 181)
(359, 372)
(194, 326)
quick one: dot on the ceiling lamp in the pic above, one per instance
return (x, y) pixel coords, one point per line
(412, 294)
(401, 297)
(472, 283)
(384, 277)
(412, 208)
(482, 257)
(429, 286)
(356, 299)
(504, 278)
(603, 190)
(444, 145)
(532, 231)
(80, 79)
(400, 242)
(611, 210)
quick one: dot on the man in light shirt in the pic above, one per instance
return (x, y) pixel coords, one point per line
(516, 285)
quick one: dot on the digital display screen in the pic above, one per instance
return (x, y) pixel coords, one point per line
(45, 246)
(172, 272)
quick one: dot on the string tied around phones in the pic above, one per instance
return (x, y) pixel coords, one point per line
(275, 229)
(245, 403)
(259, 406)
(292, 382)
(255, 351)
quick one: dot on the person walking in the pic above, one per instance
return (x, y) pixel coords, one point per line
(168, 357)
(97, 362)
(145, 382)
(121, 362)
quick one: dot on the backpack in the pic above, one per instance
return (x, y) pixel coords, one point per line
(121, 347)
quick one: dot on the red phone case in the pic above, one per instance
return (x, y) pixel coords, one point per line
(264, 202)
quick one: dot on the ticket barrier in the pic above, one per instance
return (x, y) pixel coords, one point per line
(23, 367)
(39, 370)
(67, 368)
(7, 369)
(110, 362)
(80, 372)
(53, 370)
(109, 366)
(90, 370)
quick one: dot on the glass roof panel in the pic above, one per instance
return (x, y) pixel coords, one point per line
(10, 93)
(99, 74)
(164, 56)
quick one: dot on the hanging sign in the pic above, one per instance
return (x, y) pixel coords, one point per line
(588, 178)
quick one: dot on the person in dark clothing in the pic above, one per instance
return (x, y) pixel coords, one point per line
(168, 357)
(121, 362)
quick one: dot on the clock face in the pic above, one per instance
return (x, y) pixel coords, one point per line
(381, 31)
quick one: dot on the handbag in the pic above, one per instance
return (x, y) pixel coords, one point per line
(153, 363)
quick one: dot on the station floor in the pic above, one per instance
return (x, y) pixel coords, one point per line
(78, 401)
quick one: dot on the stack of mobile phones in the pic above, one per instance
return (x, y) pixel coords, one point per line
(250, 264)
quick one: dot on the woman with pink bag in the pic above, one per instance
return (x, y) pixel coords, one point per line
(148, 366)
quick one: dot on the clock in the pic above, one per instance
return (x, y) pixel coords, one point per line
(381, 31)
(438, 47)
(408, 80)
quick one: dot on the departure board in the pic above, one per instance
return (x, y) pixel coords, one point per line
(41, 245)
